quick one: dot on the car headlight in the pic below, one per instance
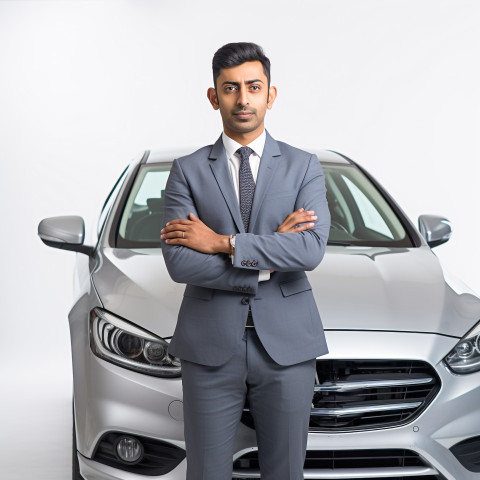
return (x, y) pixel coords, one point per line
(465, 356)
(129, 346)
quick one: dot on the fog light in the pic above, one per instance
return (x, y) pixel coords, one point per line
(129, 450)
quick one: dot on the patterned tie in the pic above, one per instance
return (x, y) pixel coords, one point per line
(246, 185)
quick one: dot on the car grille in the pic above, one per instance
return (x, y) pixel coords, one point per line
(354, 395)
(383, 464)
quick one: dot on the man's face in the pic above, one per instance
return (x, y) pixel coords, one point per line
(242, 95)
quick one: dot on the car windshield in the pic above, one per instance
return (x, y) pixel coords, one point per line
(360, 214)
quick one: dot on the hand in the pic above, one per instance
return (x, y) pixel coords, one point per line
(297, 221)
(196, 235)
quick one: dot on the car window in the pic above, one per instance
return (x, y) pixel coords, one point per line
(142, 217)
(152, 186)
(360, 214)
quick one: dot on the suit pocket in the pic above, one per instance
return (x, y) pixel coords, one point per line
(295, 286)
(201, 293)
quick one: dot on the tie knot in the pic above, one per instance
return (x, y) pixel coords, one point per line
(244, 153)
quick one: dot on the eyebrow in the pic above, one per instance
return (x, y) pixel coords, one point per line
(237, 84)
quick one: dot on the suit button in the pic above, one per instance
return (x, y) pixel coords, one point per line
(243, 263)
(249, 263)
(254, 263)
(245, 300)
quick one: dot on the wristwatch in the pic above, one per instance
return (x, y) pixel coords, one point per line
(232, 246)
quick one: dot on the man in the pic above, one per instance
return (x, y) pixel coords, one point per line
(248, 325)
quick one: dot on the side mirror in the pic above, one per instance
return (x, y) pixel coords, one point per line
(65, 233)
(436, 230)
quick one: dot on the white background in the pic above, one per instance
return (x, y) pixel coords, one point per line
(86, 85)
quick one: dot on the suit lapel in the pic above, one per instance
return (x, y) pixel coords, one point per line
(219, 166)
(268, 165)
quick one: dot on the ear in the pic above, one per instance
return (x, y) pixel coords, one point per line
(212, 96)
(272, 95)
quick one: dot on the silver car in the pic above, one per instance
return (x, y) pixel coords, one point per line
(397, 397)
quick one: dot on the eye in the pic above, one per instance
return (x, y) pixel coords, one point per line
(230, 88)
(255, 88)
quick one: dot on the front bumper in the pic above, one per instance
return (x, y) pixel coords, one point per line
(115, 399)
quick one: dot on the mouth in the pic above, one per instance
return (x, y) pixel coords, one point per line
(243, 114)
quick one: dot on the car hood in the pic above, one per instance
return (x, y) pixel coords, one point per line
(135, 285)
(398, 289)
(356, 288)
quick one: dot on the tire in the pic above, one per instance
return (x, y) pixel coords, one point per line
(75, 465)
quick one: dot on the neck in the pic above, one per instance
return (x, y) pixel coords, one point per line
(244, 138)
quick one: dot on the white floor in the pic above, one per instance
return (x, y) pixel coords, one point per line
(36, 423)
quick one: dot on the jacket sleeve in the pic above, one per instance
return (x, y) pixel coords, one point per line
(186, 265)
(285, 252)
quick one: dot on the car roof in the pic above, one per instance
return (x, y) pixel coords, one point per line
(163, 156)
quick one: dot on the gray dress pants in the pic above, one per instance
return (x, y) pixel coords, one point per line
(280, 400)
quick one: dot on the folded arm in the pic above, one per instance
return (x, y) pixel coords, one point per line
(195, 254)
(285, 252)
(185, 265)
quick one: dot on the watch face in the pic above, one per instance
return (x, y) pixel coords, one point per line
(232, 241)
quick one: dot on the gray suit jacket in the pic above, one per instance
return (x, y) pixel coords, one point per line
(214, 309)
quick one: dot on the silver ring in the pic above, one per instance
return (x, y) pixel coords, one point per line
(183, 234)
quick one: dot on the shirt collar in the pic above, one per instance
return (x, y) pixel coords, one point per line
(231, 146)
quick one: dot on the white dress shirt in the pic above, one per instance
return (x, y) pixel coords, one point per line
(231, 146)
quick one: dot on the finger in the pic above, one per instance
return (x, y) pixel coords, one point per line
(296, 212)
(174, 234)
(176, 226)
(302, 210)
(169, 230)
(304, 217)
(294, 217)
(176, 241)
(304, 226)
(179, 221)
(291, 224)
(305, 213)
(290, 215)
(297, 217)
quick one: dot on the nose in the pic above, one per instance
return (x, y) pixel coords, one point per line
(242, 96)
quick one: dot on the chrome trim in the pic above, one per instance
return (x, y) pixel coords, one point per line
(350, 473)
(355, 410)
(333, 412)
(349, 386)
(126, 327)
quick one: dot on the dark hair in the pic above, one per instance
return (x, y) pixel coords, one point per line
(234, 54)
